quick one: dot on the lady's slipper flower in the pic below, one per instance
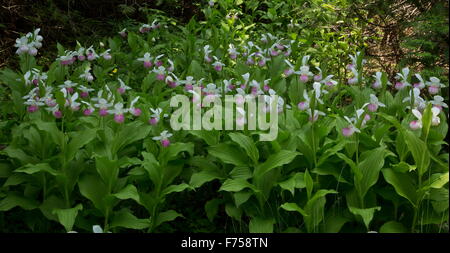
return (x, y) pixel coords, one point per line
(417, 124)
(304, 69)
(123, 32)
(355, 77)
(434, 85)
(266, 86)
(145, 28)
(289, 71)
(206, 52)
(123, 87)
(188, 83)
(33, 104)
(374, 104)
(318, 77)
(106, 55)
(118, 112)
(155, 116)
(232, 52)
(240, 116)
(377, 84)
(68, 58)
(318, 91)
(414, 94)
(314, 116)
(172, 80)
(304, 104)
(135, 111)
(163, 138)
(328, 81)
(421, 83)
(157, 60)
(72, 101)
(171, 67)
(155, 24)
(89, 110)
(228, 85)
(354, 59)
(147, 59)
(68, 86)
(403, 79)
(438, 102)
(250, 60)
(217, 64)
(102, 103)
(34, 76)
(351, 129)
(160, 73)
(55, 111)
(84, 91)
(91, 54)
(87, 75)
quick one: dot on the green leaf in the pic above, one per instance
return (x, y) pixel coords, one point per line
(212, 207)
(403, 167)
(51, 129)
(276, 160)
(107, 169)
(151, 165)
(260, 225)
(175, 188)
(247, 144)
(366, 214)
(228, 154)
(19, 154)
(393, 227)
(13, 199)
(124, 218)
(40, 167)
(334, 222)
(173, 150)
(331, 151)
(426, 120)
(243, 172)
(295, 181)
(130, 133)
(355, 169)
(167, 216)
(93, 188)
(67, 216)
(128, 192)
(436, 181)
(309, 183)
(371, 163)
(204, 176)
(418, 150)
(315, 209)
(79, 139)
(235, 185)
(241, 197)
(210, 137)
(292, 207)
(233, 211)
(402, 183)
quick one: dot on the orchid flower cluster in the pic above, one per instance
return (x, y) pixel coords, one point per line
(254, 54)
(145, 28)
(30, 43)
(77, 96)
(82, 54)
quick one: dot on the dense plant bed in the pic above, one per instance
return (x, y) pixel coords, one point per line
(90, 141)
